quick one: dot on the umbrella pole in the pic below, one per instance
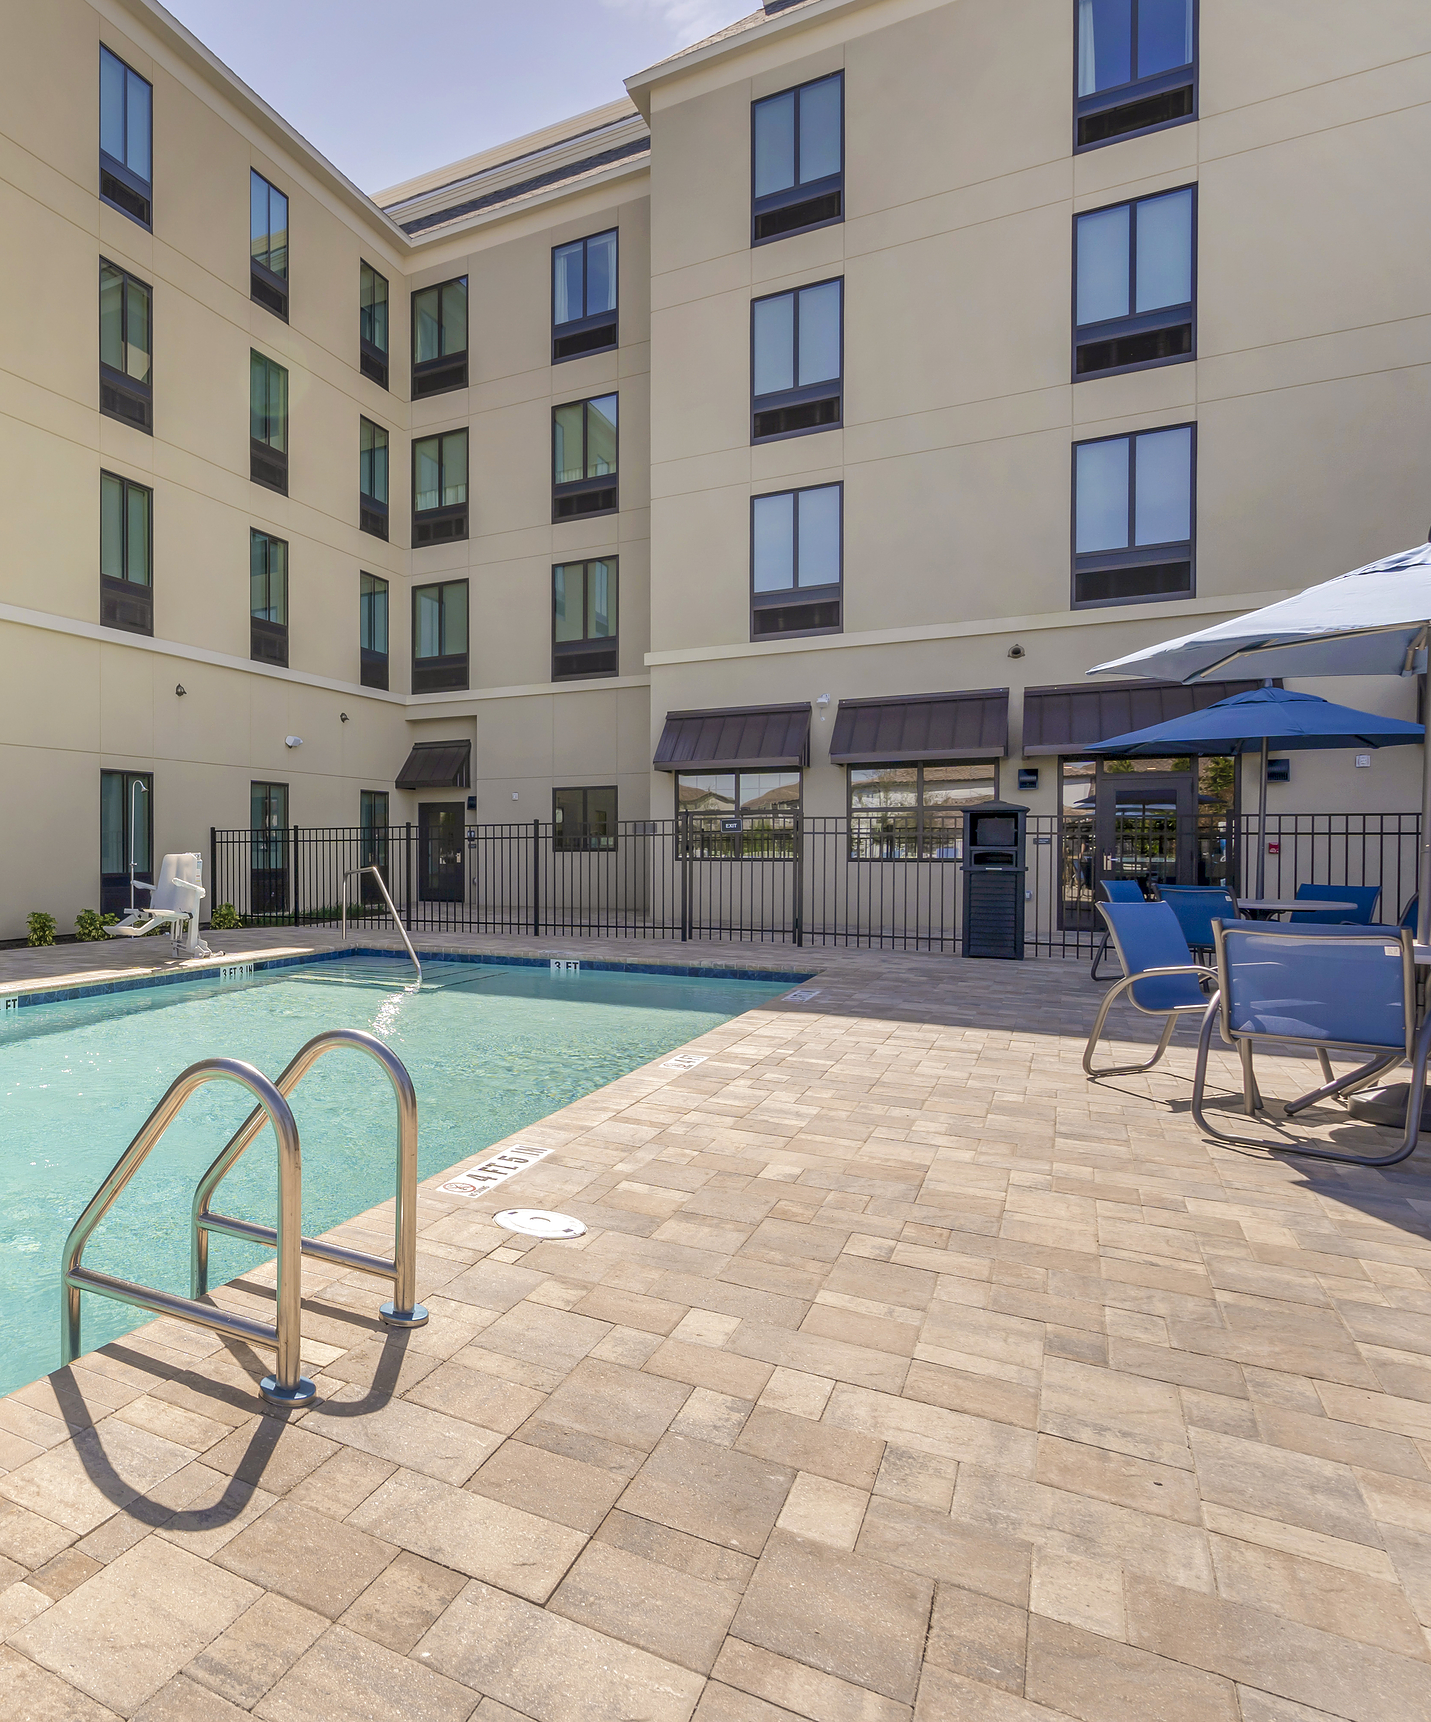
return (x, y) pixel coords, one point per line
(1262, 824)
(1423, 859)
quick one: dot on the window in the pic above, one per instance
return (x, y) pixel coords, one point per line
(439, 637)
(1133, 284)
(373, 841)
(1137, 67)
(268, 245)
(268, 848)
(584, 619)
(1133, 500)
(795, 561)
(915, 812)
(583, 296)
(439, 488)
(584, 819)
(267, 598)
(372, 478)
(798, 159)
(439, 338)
(126, 137)
(796, 340)
(126, 388)
(126, 554)
(373, 630)
(373, 324)
(267, 423)
(584, 458)
(739, 815)
(126, 838)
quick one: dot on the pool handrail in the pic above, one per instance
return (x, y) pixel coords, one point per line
(404, 1311)
(376, 872)
(287, 1386)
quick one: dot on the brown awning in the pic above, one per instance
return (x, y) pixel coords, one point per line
(1065, 719)
(437, 765)
(973, 725)
(736, 738)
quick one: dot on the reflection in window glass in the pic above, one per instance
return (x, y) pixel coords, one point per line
(1163, 504)
(775, 344)
(373, 308)
(268, 402)
(124, 323)
(373, 612)
(1122, 40)
(125, 530)
(775, 144)
(439, 321)
(796, 539)
(440, 471)
(125, 115)
(440, 620)
(373, 461)
(601, 436)
(584, 819)
(798, 136)
(268, 225)
(1164, 272)
(915, 812)
(268, 578)
(1101, 500)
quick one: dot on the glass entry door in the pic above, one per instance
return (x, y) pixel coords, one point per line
(1145, 828)
(439, 852)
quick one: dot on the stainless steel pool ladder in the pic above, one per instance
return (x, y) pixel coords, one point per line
(376, 872)
(403, 1311)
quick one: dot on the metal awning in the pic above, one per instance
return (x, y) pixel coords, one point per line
(910, 727)
(736, 738)
(437, 765)
(1065, 719)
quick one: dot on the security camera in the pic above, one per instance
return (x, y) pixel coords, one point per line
(293, 741)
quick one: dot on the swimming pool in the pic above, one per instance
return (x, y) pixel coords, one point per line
(491, 1048)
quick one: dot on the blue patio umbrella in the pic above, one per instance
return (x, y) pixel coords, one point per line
(1261, 720)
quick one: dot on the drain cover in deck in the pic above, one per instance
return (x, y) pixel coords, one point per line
(539, 1223)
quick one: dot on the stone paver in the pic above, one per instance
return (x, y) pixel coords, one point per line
(902, 1375)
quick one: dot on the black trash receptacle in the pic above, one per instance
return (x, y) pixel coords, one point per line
(994, 872)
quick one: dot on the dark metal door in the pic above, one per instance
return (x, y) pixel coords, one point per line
(1146, 828)
(439, 852)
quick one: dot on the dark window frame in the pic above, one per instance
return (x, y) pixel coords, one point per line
(1139, 323)
(577, 489)
(126, 603)
(373, 358)
(811, 394)
(1135, 556)
(268, 640)
(114, 898)
(584, 841)
(439, 376)
(267, 286)
(268, 465)
(373, 664)
(1162, 87)
(448, 671)
(794, 596)
(587, 324)
(128, 192)
(589, 645)
(373, 509)
(775, 203)
(703, 834)
(917, 812)
(118, 385)
(447, 523)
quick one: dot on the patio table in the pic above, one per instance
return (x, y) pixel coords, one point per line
(1263, 908)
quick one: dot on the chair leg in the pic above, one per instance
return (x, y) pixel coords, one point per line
(1251, 1099)
(1339, 1087)
(1109, 998)
(1098, 957)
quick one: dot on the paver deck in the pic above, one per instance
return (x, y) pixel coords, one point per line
(901, 1375)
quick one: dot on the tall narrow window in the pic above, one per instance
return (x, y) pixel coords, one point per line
(584, 296)
(268, 245)
(373, 629)
(1133, 513)
(373, 825)
(126, 135)
(439, 637)
(1137, 67)
(584, 458)
(126, 384)
(126, 554)
(798, 159)
(267, 422)
(584, 819)
(439, 338)
(1133, 284)
(268, 848)
(796, 345)
(584, 619)
(439, 488)
(796, 561)
(372, 478)
(373, 324)
(126, 838)
(268, 598)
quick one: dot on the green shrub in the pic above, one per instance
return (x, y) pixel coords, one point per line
(90, 924)
(42, 928)
(225, 919)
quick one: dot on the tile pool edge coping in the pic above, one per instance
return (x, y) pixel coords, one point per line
(59, 993)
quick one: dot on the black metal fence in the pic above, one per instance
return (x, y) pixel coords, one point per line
(867, 881)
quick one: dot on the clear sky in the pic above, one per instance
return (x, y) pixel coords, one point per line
(458, 74)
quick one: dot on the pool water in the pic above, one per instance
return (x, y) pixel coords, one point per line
(490, 1048)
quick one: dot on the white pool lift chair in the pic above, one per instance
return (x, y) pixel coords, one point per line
(174, 902)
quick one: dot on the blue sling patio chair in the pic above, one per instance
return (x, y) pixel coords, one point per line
(1159, 976)
(1364, 896)
(1114, 891)
(1342, 988)
(1197, 907)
